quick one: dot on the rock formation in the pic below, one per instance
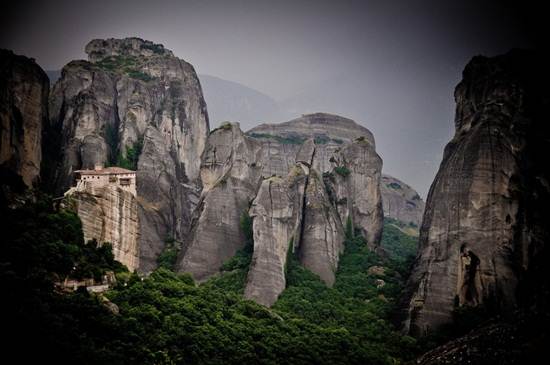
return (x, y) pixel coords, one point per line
(483, 241)
(134, 103)
(110, 214)
(322, 239)
(355, 186)
(400, 201)
(277, 172)
(230, 178)
(24, 91)
(277, 224)
(330, 132)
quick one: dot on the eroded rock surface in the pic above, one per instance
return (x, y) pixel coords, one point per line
(230, 177)
(354, 183)
(484, 236)
(24, 91)
(401, 202)
(110, 214)
(277, 224)
(277, 175)
(134, 102)
(329, 132)
(323, 234)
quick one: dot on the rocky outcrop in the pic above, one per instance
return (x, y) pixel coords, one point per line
(329, 132)
(293, 216)
(354, 183)
(322, 239)
(230, 176)
(134, 103)
(24, 91)
(518, 340)
(99, 49)
(401, 202)
(278, 174)
(277, 224)
(109, 214)
(483, 241)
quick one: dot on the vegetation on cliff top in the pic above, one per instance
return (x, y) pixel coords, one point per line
(128, 65)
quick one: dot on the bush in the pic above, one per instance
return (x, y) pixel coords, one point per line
(130, 160)
(321, 139)
(169, 255)
(394, 185)
(342, 171)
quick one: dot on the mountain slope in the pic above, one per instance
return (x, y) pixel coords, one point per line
(231, 101)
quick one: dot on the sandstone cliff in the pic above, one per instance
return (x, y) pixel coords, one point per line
(274, 172)
(329, 132)
(230, 177)
(483, 240)
(400, 201)
(134, 103)
(24, 91)
(345, 151)
(322, 239)
(277, 219)
(110, 214)
(355, 186)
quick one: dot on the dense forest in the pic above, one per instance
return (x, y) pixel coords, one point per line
(166, 318)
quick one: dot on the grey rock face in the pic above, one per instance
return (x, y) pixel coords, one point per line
(330, 132)
(110, 214)
(277, 221)
(323, 234)
(239, 169)
(24, 91)
(400, 201)
(230, 178)
(354, 183)
(339, 142)
(83, 110)
(484, 235)
(135, 93)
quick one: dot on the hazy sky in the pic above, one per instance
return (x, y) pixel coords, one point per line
(390, 65)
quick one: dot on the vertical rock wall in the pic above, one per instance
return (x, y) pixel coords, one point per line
(483, 240)
(134, 99)
(277, 222)
(278, 174)
(24, 91)
(230, 177)
(110, 214)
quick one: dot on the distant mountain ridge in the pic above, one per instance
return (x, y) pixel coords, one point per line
(231, 101)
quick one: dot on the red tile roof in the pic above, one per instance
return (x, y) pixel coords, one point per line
(106, 171)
